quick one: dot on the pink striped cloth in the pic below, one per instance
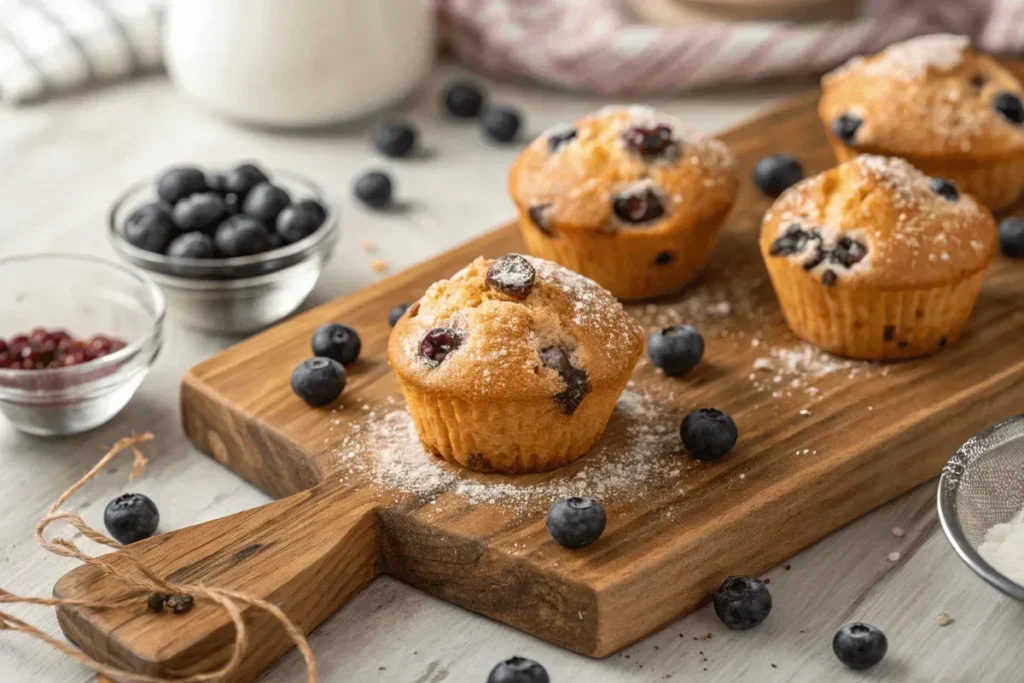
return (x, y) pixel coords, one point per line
(594, 45)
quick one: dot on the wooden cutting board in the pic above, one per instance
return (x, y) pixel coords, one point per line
(821, 443)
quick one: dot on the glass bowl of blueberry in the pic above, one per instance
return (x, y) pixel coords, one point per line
(73, 355)
(233, 250)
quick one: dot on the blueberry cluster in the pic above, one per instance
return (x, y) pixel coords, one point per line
(846, 253)
(320, 380)
(220, 215)
(399, 140)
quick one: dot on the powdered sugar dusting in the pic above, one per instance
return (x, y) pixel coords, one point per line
(640, 450)
(911, 59)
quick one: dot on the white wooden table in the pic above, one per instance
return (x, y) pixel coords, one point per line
(62, 164)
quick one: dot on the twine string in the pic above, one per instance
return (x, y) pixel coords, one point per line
(139, 577)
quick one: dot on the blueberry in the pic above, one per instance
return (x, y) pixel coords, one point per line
(215, 182)
(397, 312)
(374, 189)
(150, 227)
(463, 99)
(845, 128)
(676, 350)
(742, 602)
(636, 206)
(265, 201)
(576, 522)
(502, 123)
(201, 211)
(242, 235)
(438, 343)
(577, 381)
(131, 517)
(241, 179)
(945, 189)
(394, 139)
(708, 434)
(776, 173)
(859, 645)
(1010, 106)
(175, 184)
(560, 137)
(319, 381)
(1011, 237)
(337, 341)
(192, 245)
(650, 141)
(512, 275)
(300, 220)
(518, 670)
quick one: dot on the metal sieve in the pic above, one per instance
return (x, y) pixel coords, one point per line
(983, 485)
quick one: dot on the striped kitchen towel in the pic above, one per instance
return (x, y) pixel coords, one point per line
(47, 46)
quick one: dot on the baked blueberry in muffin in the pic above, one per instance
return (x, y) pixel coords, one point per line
(513, 364)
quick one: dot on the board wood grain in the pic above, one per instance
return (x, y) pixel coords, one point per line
(663, 552)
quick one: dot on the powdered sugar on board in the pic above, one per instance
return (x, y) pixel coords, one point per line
(642, 453)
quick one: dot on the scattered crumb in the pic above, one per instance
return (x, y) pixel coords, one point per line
(894, 556)
(788, 567)
(378, 266)
(742, 475)
(944, 619)
(368, 247)
(897, 532)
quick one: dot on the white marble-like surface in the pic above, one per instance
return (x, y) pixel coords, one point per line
(64, 161)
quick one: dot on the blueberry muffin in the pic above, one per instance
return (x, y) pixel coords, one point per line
(952, 112)
(875, 260)
(514, 364)
(626, 197)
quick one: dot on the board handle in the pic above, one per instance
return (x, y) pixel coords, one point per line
(308, 554)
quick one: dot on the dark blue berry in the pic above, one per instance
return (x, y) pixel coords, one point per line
(394, 139)
(945, 189)
(576, 522)
(845, 128)
(518, 670)
(676, 350)
(319, 381)
(708, 434)
(241, 179)
(150, 227)
(374, 189)
(637, 207)
(201, 211)
(1010, 106)
(242, 235)
(577, 382)
(561, 137)
(742, 602)
(502, 123)
(859, 645)
(778, 172)
(337, 341)
(175, 184)
(193, 245)
(300, 220)
(397, 312)
(265, 201)
(131, 517)
(215, 182)
(438, 343)
(513, 275)
(463, 100)
(651, 141)
(1011, 237)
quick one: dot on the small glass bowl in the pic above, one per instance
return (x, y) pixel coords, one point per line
(86, 296)
(233, 295)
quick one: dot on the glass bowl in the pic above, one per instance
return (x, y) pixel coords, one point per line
(232, 295)
(86, 296)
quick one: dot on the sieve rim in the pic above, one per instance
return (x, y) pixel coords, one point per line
(950, 521)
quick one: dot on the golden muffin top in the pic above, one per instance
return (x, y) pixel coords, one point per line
(623, 168)
(931, 96)
(879, 222)
(513, 329)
